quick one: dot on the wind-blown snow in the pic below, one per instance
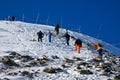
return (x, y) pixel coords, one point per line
(20, 37)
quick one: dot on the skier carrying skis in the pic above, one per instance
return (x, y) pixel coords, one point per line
(78, 45)
(40, 36)
(49, 34)
(67, 36)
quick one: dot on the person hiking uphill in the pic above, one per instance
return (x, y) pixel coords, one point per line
(99, 48)
(49, 34)
(78, 45)
(13, 18)
(9, 18)
(67, 36)
(40, 36)
(57, 29)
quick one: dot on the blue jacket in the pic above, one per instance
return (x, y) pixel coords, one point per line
(49, 36)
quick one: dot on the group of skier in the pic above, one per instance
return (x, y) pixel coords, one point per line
(77, 44)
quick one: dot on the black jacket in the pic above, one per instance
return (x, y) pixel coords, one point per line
(67, 36)
(40, 34)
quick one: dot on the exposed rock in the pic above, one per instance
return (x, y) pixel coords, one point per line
(33, 63)
(13, 74)
(45, 57)
(109, 79)
(114, 62)
(64, 66)
(9, 62)
(117, 77)
(52, 70)
(83, 63)
(26, 58)
(77, 58)
(26, 73)
(14, 54)
(106, 65)
(98, 69)
(69, 60)
(96, 65)
(117, 69)
(78, 67)
(5, 79)
(49, 70)
(86, 72)
(98, 59)
(106, 71)
(89, 66)
(42, 61)
(55, 57)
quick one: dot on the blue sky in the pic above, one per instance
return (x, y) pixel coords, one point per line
(92, 16)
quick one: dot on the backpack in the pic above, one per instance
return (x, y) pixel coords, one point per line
(78, 42)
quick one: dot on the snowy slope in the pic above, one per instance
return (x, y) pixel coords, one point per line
(21, 33)
(21, 37)
(18, 37)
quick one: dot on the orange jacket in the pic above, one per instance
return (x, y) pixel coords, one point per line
(97, 47)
